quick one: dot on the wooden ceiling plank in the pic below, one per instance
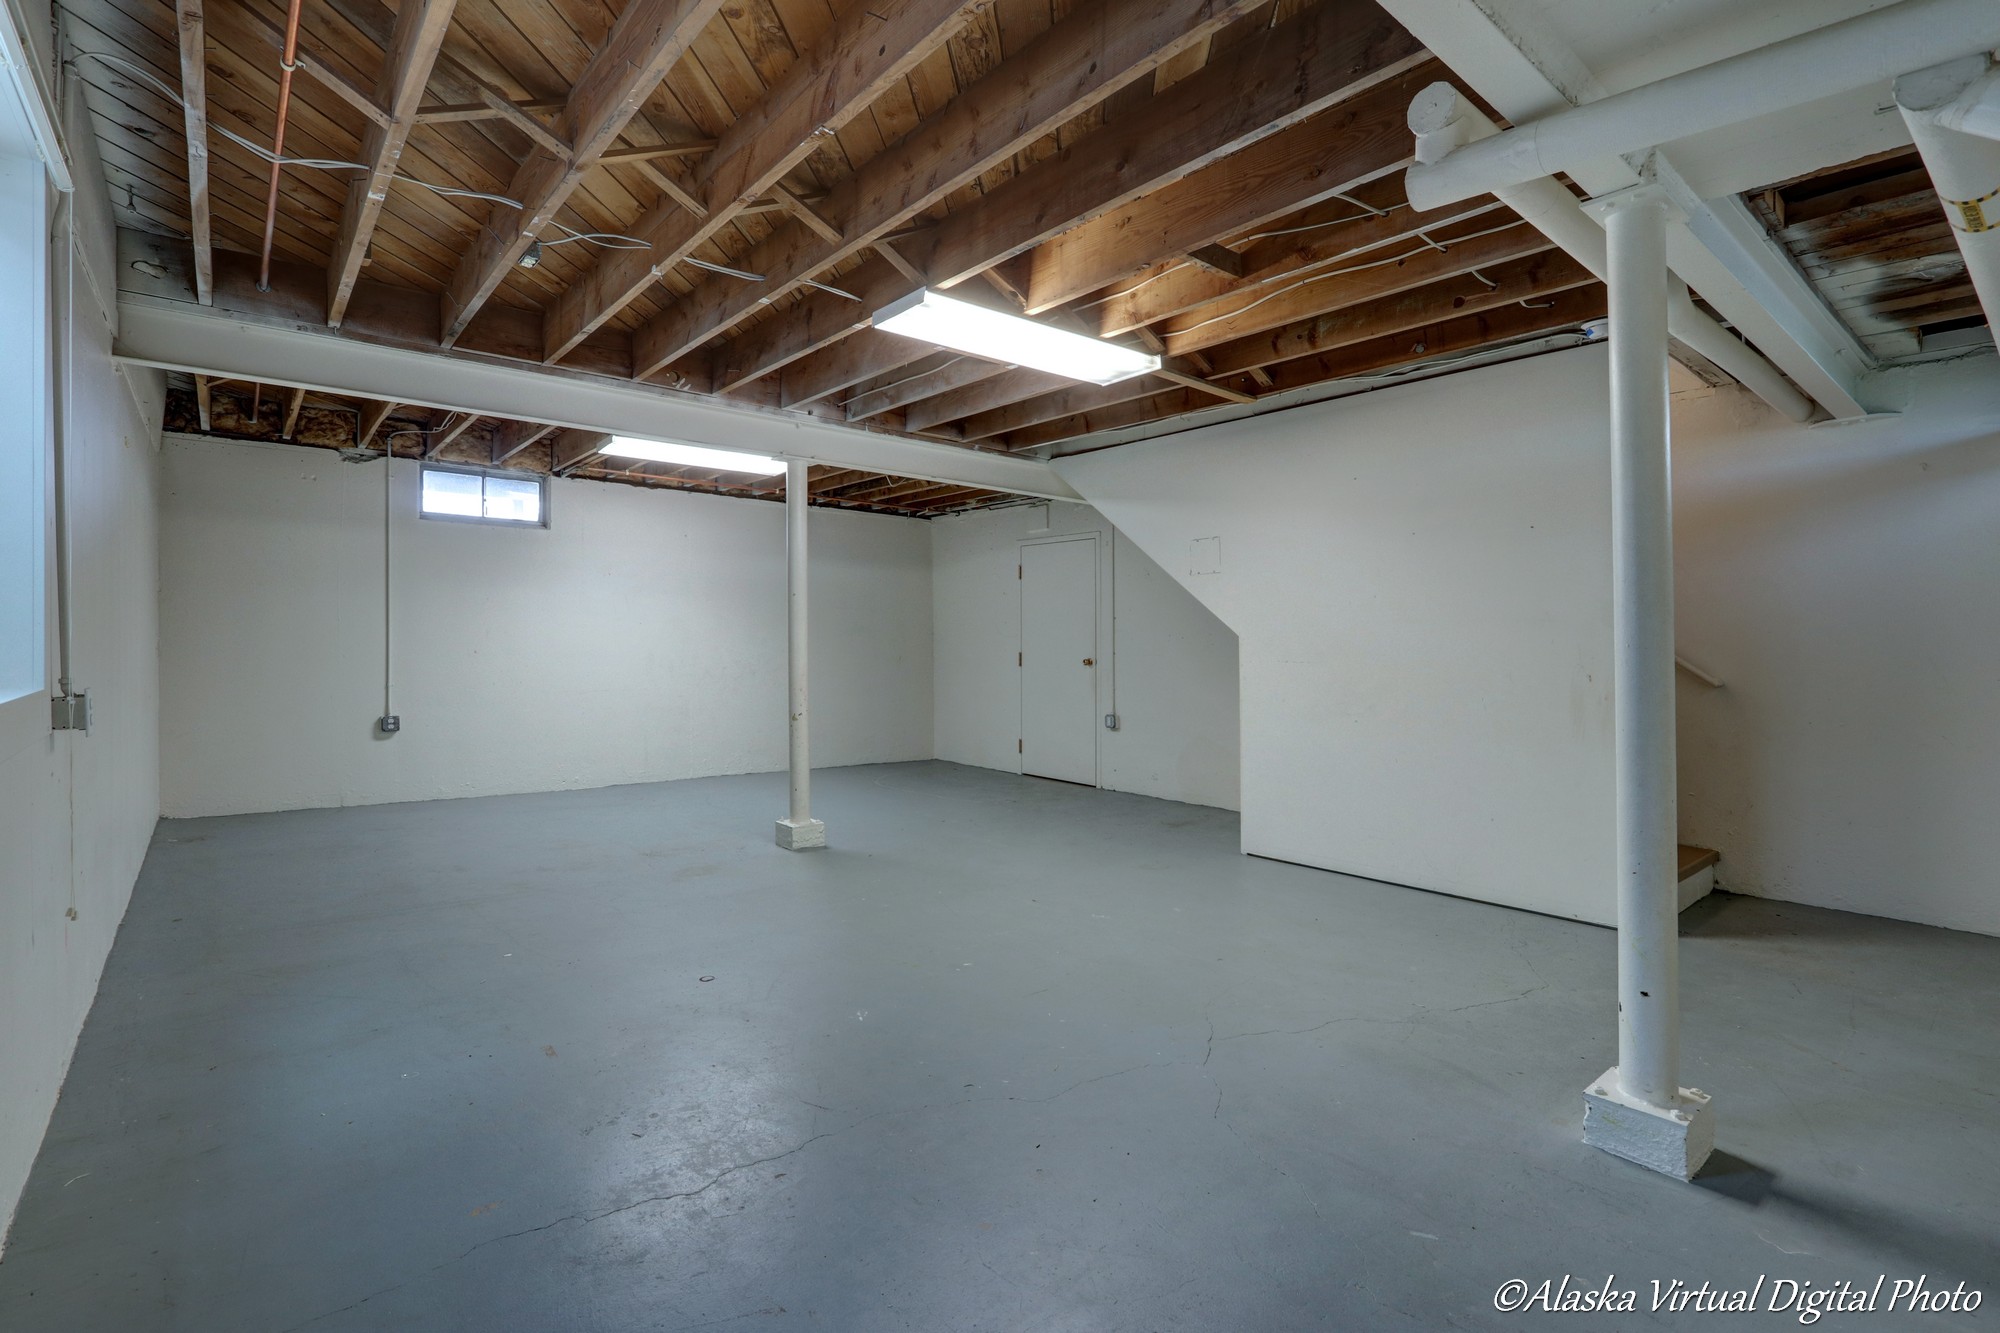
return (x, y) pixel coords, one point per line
(454, 113)
(1533, 279)
(1448, 337)
(961, 372)
(845, 364)
(406, 69)
(194, 107)
(204, 402)
(1337, 287)
(994, 392)
(1102, 45)
(1328, 232)
(646, 41)
(321, 71)
(871, 46)
(1362, 140)
(505, 109)
(1337, 52)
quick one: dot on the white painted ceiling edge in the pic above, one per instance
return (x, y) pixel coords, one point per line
(181, 336)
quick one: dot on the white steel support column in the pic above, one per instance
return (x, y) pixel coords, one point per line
(799, 830)
(1638, 1109)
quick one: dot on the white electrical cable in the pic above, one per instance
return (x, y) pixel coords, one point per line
(1308, 281)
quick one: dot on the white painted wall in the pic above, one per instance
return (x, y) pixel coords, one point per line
(640, 637)
(1167, 667)
(76, 811)
(1844, 585)
(1420, 582)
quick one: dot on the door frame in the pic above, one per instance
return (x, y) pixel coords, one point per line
(1105, 681)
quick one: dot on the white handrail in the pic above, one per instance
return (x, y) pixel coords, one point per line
(1697, 672)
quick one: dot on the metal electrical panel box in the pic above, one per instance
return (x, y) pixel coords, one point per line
(70, 712)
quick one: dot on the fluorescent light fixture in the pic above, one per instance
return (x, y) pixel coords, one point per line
(693, 455)
(978, 331)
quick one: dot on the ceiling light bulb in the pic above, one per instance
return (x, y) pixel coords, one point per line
(692, 455)
(1010, 339)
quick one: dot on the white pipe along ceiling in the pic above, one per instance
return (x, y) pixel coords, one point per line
(1444, 121)
(1837, 58)
(1953, 111)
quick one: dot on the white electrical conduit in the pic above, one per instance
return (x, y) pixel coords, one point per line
(1834, 59)
(1444, 123)
(1964, 164)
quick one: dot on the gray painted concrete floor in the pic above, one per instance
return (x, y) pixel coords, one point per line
(1009, 1055)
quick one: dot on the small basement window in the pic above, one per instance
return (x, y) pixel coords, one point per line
(511, 498)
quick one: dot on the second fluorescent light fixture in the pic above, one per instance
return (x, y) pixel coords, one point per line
(977, 331)
(692, 455)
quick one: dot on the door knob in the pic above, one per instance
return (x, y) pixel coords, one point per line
(1090, 661)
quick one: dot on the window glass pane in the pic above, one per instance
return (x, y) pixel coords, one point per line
(452, 493)
(514, 499)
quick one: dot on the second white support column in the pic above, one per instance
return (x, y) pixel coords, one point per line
(1637, 1109)
(799, 830)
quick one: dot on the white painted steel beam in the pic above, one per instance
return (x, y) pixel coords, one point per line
(175, 335)
(1832, 59)
(1527, 71)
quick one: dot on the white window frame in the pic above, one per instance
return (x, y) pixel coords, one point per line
(539, 478)
(26, 327)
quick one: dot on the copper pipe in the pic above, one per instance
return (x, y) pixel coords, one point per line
(286, 64)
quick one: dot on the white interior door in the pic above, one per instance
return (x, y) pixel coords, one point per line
(1059, 660)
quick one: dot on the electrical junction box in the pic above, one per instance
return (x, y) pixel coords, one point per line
(390, 724)
(70, 712)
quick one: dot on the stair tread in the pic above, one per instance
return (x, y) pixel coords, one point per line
(1696, 859)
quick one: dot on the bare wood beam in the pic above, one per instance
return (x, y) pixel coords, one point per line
(847, 363)
(295, 400)
(1303, 296)
(646, 152)
(1459, 334)
(870, 47)
(515, 436)
(1078, 398)
(803, 211)
(1101, 46)
(1218, 259)
(994, 392)
(448, 113)
(437, 441)
(204, 402)
(1333, 230)
(1360, 140)
(1533, 279)
(574, 448)
(194, 115)
(965, 370)
(1447, 337)
(669, 187)
(373, 414)
(413, 49)
(1338, 52)
(333, 81)
(649, 37)
(521, 120)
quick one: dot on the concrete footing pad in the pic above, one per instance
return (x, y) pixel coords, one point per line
(1673, 1141)
(801, 836)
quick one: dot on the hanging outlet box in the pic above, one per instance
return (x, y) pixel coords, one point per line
(390, 724)
(1111, 721)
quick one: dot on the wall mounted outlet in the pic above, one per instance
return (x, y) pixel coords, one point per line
(1111, 721)
(389, 724)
